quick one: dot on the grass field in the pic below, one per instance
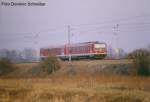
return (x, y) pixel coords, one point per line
(75, 88)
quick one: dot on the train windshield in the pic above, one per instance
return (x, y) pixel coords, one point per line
(100, 46)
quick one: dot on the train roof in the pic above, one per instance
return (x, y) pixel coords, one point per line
(57, 46)
(88, 43)
(91, 42)
(75, 44)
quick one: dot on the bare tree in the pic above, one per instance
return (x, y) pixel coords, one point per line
(5, 53)
(29, 54)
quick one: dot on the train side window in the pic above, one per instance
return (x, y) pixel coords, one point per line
(83, 48)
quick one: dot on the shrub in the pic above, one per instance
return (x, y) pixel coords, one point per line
(50, 64)
(141, 61)
(5, 66)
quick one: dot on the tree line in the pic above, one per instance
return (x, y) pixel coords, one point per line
(17, 56)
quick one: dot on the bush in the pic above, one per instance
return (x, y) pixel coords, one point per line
(141, 61)
(50, 64)
(5, 66)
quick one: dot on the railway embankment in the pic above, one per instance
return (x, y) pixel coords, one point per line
(96, 67)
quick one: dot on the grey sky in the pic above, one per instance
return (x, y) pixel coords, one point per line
(90, 20)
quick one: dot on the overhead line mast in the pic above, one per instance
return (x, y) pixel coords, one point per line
(69, 31)
(116, 30)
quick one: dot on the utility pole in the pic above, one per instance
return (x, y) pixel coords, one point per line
(69, 53)
(1, 14)
(36, 38)
(116, 29)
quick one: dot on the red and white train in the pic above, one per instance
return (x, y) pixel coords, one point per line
(86, 50)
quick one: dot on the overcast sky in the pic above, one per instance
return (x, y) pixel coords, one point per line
(120, 23)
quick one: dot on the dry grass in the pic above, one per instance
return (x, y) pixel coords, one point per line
(89, 67)
(94, 62)
(76, 89)
(81, 63)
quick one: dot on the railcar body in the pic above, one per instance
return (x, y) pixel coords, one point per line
(87, 50)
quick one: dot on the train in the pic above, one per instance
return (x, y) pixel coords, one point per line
(78, 51)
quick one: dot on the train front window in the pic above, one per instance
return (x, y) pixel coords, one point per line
(99, 46)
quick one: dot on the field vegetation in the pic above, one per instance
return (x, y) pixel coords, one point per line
(50, 64)
(78, 81)
(77, 85)
(6, 66)
(77, 88)
(141, 62)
